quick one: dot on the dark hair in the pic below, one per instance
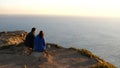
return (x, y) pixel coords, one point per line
(41, 34)
(33, 29)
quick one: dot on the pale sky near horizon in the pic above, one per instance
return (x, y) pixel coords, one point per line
(92, 8)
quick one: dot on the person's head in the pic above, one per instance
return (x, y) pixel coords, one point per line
(33, 30)
(41, 34)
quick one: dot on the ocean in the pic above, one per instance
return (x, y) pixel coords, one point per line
(99, 35)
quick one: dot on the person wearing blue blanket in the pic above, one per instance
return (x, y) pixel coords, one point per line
(39, 42)
(39, 45)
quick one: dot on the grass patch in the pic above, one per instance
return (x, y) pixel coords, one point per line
(84, 52)
(72, 48)
(103, 65)
(87, 53)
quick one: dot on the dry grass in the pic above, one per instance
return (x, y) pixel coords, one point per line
(85, 52)
(103, 65)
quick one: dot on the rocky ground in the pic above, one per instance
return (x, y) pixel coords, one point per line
(56, 57)
(18, 56)
(15, 57)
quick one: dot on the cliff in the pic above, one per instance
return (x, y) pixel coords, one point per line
(12, 37)
(55, 56)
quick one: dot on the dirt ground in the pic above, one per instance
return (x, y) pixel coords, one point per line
(15, 57)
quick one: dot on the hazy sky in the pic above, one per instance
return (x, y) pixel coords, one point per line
(100, 8)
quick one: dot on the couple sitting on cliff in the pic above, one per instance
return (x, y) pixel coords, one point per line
(36, 43)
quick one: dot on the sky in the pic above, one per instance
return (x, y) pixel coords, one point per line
(90, 8)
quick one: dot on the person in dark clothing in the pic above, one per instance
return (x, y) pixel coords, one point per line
(29, 41)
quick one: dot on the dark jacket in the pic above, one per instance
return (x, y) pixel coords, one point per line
(39, 44)
(29, 41)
